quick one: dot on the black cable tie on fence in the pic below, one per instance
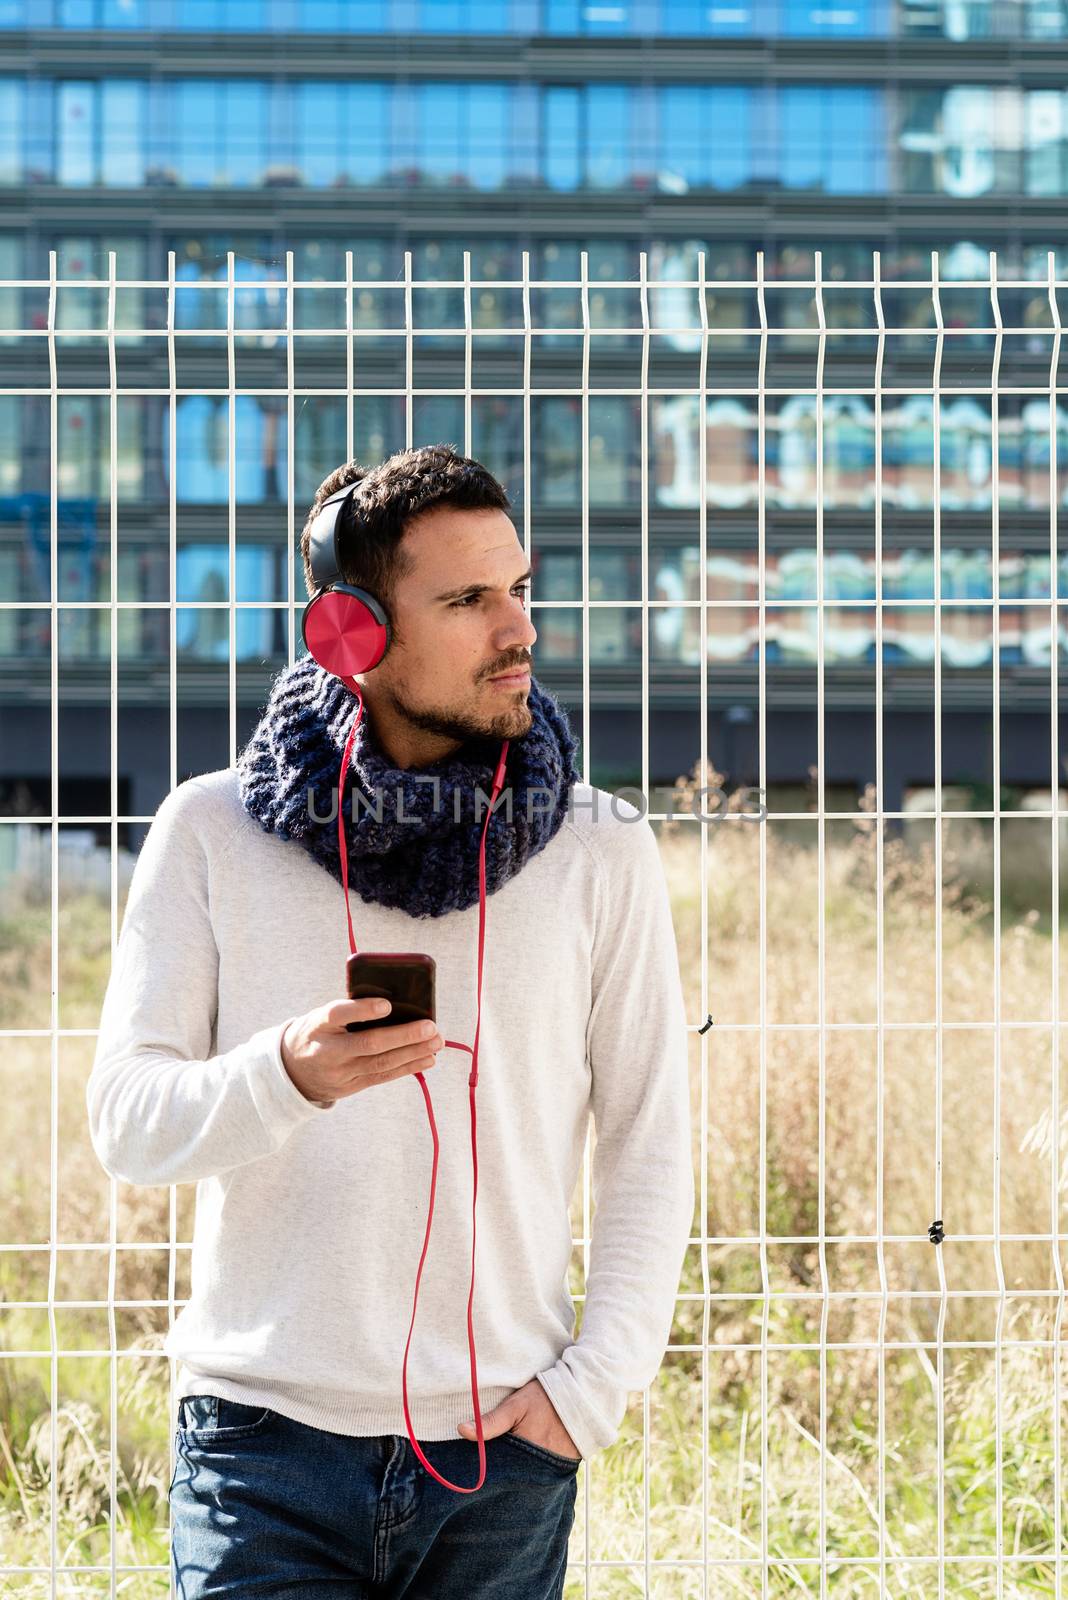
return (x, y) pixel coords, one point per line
(705, 1026)
(936, 1233)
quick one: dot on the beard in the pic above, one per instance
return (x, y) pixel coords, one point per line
(450, 722)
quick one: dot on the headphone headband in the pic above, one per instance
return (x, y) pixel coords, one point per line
(323, 554)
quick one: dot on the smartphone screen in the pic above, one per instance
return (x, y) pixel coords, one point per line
(404, 978)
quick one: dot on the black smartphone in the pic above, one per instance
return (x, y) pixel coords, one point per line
(402, 977)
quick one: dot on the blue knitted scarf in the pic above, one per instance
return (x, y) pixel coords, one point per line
(411, 844)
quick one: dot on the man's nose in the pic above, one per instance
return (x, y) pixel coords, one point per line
(519, 630)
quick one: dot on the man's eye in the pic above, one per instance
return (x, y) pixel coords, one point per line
(520, 588)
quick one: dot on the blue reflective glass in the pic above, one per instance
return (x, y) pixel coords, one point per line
(319, 123)
(562, 16)
(12, 101)
(561, 131)
(445, 16)
(195, 130)
(683, 151)
(440, 138)
(608, 164)
(799, 135)
(488, 154)
(244, 142)
(76, 109)
(607, 18)
(705, 136)
(525, 102)
(849, 133)
(124, 14)
(828, 137)
(335, 16)
(123, 134)
(241, 15)
(218, 15)
(366, 132)
(811, 18)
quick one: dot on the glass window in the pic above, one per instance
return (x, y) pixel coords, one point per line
(203, 574)
(319, 119)
(556, 424)
(560, 121)
(82, 257)
(11, 257)
(614, 441)
(194, 136)
(11, 408)
(497, 440)
(243, 153)
(859, 19)
(831, 137)
(562, 16)
(607, 149)
(435, 260)
(704, 136)
(920, 114)
(964, 140)
(84, 447)
(488, 156)
(336, 16)
(77, 103)
(967, 166)
(122, 120)
(685, 157)
(440, 134)
(12, 111)
(1046, 19)
(365, 132)
(202, 426)
(1045, 153)
(320, 428)
(124, 14)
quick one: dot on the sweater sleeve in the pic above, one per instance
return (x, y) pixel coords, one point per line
(162, 1109)
(642, 1164)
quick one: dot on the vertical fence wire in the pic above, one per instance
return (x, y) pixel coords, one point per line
(172, 735)
(1055, 963)
(821, 930)
(584, 499)
(762, 902)
(880, 951)
(113, 720)
(53, 1130)
(940, 1357)
(704, 1038)
(995, 561)
(231, 502)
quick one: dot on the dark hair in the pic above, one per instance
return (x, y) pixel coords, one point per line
(373, 521)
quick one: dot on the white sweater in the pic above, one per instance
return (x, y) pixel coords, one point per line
(310, 1218)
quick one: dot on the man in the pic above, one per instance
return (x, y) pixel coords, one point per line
(224, 1059)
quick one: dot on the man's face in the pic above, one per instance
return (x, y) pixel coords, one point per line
(461, 619)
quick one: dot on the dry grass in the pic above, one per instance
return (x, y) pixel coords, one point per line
(706, 1407)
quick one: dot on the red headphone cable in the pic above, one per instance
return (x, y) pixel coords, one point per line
(450, 1044)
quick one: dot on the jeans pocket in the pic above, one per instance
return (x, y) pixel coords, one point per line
(570, 1463)
(206, 1419)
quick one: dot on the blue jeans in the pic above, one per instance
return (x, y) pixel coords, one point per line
(266, 1506)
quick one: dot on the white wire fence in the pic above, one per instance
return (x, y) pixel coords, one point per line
(661, 1514)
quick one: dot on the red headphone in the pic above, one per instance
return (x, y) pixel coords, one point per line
(346, 630)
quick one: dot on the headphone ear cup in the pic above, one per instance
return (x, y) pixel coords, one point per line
(345, 630)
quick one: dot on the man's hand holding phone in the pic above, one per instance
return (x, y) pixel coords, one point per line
(327, 1062)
